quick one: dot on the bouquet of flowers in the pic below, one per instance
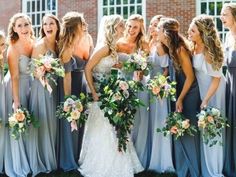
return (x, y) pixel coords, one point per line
(211, 123)
(20, 121)
(177, 125)
(74, 110)
(118, 101)
(160, 87)
(45, 68)
(138, 62)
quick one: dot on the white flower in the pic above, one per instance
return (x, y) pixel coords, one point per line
(69, 119)
(123, 85)
(12, 121)
(215, 112)
(203, 112)
(144, 66)
(201, 118)
(126, 94)
(21, 125)
(75, 114)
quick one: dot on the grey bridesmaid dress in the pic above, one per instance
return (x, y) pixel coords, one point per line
(16, 160)
(70, 142)
(3, 117)
(42, 158)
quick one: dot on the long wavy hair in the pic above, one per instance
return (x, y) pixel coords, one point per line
(175, 41)
(111, 23)
(12, 35)
(69, 30)
(210, 38)
(2, 36)
(141, 38)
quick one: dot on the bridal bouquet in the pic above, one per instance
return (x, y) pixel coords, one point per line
(118, 101)
(137, 62)
(177, 125)
(74, 110)
(211, 123)
(45, 68)
(161, 88)
(20, 121)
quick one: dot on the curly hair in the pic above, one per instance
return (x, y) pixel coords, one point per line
(141, 36)
(12, 35)
(111, 23)
(69, 30)
(175, 41)
(210, 39)
(2, 36)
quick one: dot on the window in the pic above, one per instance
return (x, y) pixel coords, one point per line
(213, 8)
(36, 9)
(121, 7)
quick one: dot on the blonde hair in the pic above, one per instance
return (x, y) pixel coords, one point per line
(69, 30)
(111, 23)
(2, 35)
(141, 36)
(158, 18)
(12, 35)
(210, 39)
(174, 40)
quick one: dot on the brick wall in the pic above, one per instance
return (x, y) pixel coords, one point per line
(182, 10)
(8, 8)
(88, 7)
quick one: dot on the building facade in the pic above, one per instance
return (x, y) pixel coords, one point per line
(182, 10)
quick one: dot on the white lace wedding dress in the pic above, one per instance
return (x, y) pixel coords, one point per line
(99, 155)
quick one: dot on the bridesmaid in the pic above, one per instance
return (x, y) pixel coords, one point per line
(72, 32)
(186, 148)
(43, 103)
(133, 40)
(21, 40)
(2, 101)
(161, 153)
(207, 62)
(82, 51)
(228, 18)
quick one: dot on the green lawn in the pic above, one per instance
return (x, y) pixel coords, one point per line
(75, 174)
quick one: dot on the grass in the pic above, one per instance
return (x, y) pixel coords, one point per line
(76, 174)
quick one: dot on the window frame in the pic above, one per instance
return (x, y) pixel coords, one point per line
(36, 26)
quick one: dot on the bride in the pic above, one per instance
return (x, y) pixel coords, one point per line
(99, 155)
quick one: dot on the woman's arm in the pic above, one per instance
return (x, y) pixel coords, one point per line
(186, 65)
(14, 72)
(211, 91)
(93, 61)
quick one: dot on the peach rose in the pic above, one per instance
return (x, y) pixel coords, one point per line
(210, 119)
(174, 130)
(156, 90)
(20, 116)
(185, 124)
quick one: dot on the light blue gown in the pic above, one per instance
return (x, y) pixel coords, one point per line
(211, 157)
(42, 157)
(16, 160)
(3, 119)
(161, 153)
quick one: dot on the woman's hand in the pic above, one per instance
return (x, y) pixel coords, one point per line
(204, 104)
(179, 105)
(95, 96)
(15, 106)
(138, 75)
(118, 65)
